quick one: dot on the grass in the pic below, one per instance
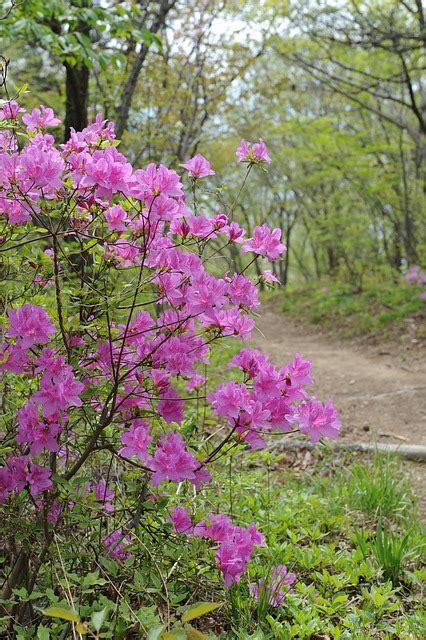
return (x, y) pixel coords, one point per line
(351, 582)
(378, 489)
(382, 306)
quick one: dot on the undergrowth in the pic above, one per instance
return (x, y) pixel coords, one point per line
(381, 306)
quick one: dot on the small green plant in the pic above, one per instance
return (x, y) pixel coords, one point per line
(378, 489)
(389, 550)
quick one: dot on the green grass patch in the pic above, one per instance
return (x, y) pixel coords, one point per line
(358, 559)
(381, 306)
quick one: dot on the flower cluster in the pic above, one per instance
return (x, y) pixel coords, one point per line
(270, 399)
(235, 544)
(256, 153)
(112, 362)
(274, 588)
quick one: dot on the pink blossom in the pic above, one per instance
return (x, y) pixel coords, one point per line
(242, 291)
(58, 393)
(152, 182)
(172, 461)
(30, 324)
(104, 495)
(40, 118)
(298, 371)
(317, 419)
(115, 545)
(38, 479)
(18, 467)
(274, 587)
(269, 276)
(229, 399)
(10, 110)
(41, 168)
(7, 484)
(181, 521)
(250, 361)
(254, 154)
(234, 232)
(171, 406)
(265, 243)
(198, 167)
(116, 217)
(38, 433)
(136, 440)
(13, 358)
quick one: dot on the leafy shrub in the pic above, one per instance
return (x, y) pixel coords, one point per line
(110, 313)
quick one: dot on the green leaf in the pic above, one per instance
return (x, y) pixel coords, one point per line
(155, 632)
(43, 633)
(195, 634)
(62, 613)
(200, 610)
(98, 618)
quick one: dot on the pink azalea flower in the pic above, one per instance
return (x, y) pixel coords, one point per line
(234, 232)
(13, 358)
(104, 495)
(256, 153)
(198, 167)
(7, 484)
(39, 434)
(275, 587)
(40, 118)
(116, 217)
(30, 324)
(317, 419)
(115, 545)
(242, 291)
(298, 371)
(136, 440)
(250, 361)
(57, 394)
(172, 461)
(265, 242)
(171, 406)
(181, 521)
(10, 110)
(38, 479)
(229, 399)
(268, 276)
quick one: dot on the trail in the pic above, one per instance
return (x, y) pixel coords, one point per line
(379, 399)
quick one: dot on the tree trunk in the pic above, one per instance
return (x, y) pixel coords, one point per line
(129, 88)
(77, 94)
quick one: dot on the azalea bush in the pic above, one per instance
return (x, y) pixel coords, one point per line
(116, 289)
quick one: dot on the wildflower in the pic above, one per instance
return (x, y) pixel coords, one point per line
(38, 479)
(229, 399)
(116, 217)
(181, 521)
(317, 419)
(172, 461)
(253, 153)
(265, 242)
(198, 167)
(136, 440)
(275, 587)
(30, 324)
(39, 118)
(115, 544)
(104, 495)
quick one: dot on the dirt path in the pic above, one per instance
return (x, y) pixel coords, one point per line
(379, 399)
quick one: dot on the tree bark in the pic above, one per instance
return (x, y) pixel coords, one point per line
(77, 95)
(132, 79)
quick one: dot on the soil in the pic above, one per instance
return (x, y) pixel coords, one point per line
(379, 387)
(379, 392)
